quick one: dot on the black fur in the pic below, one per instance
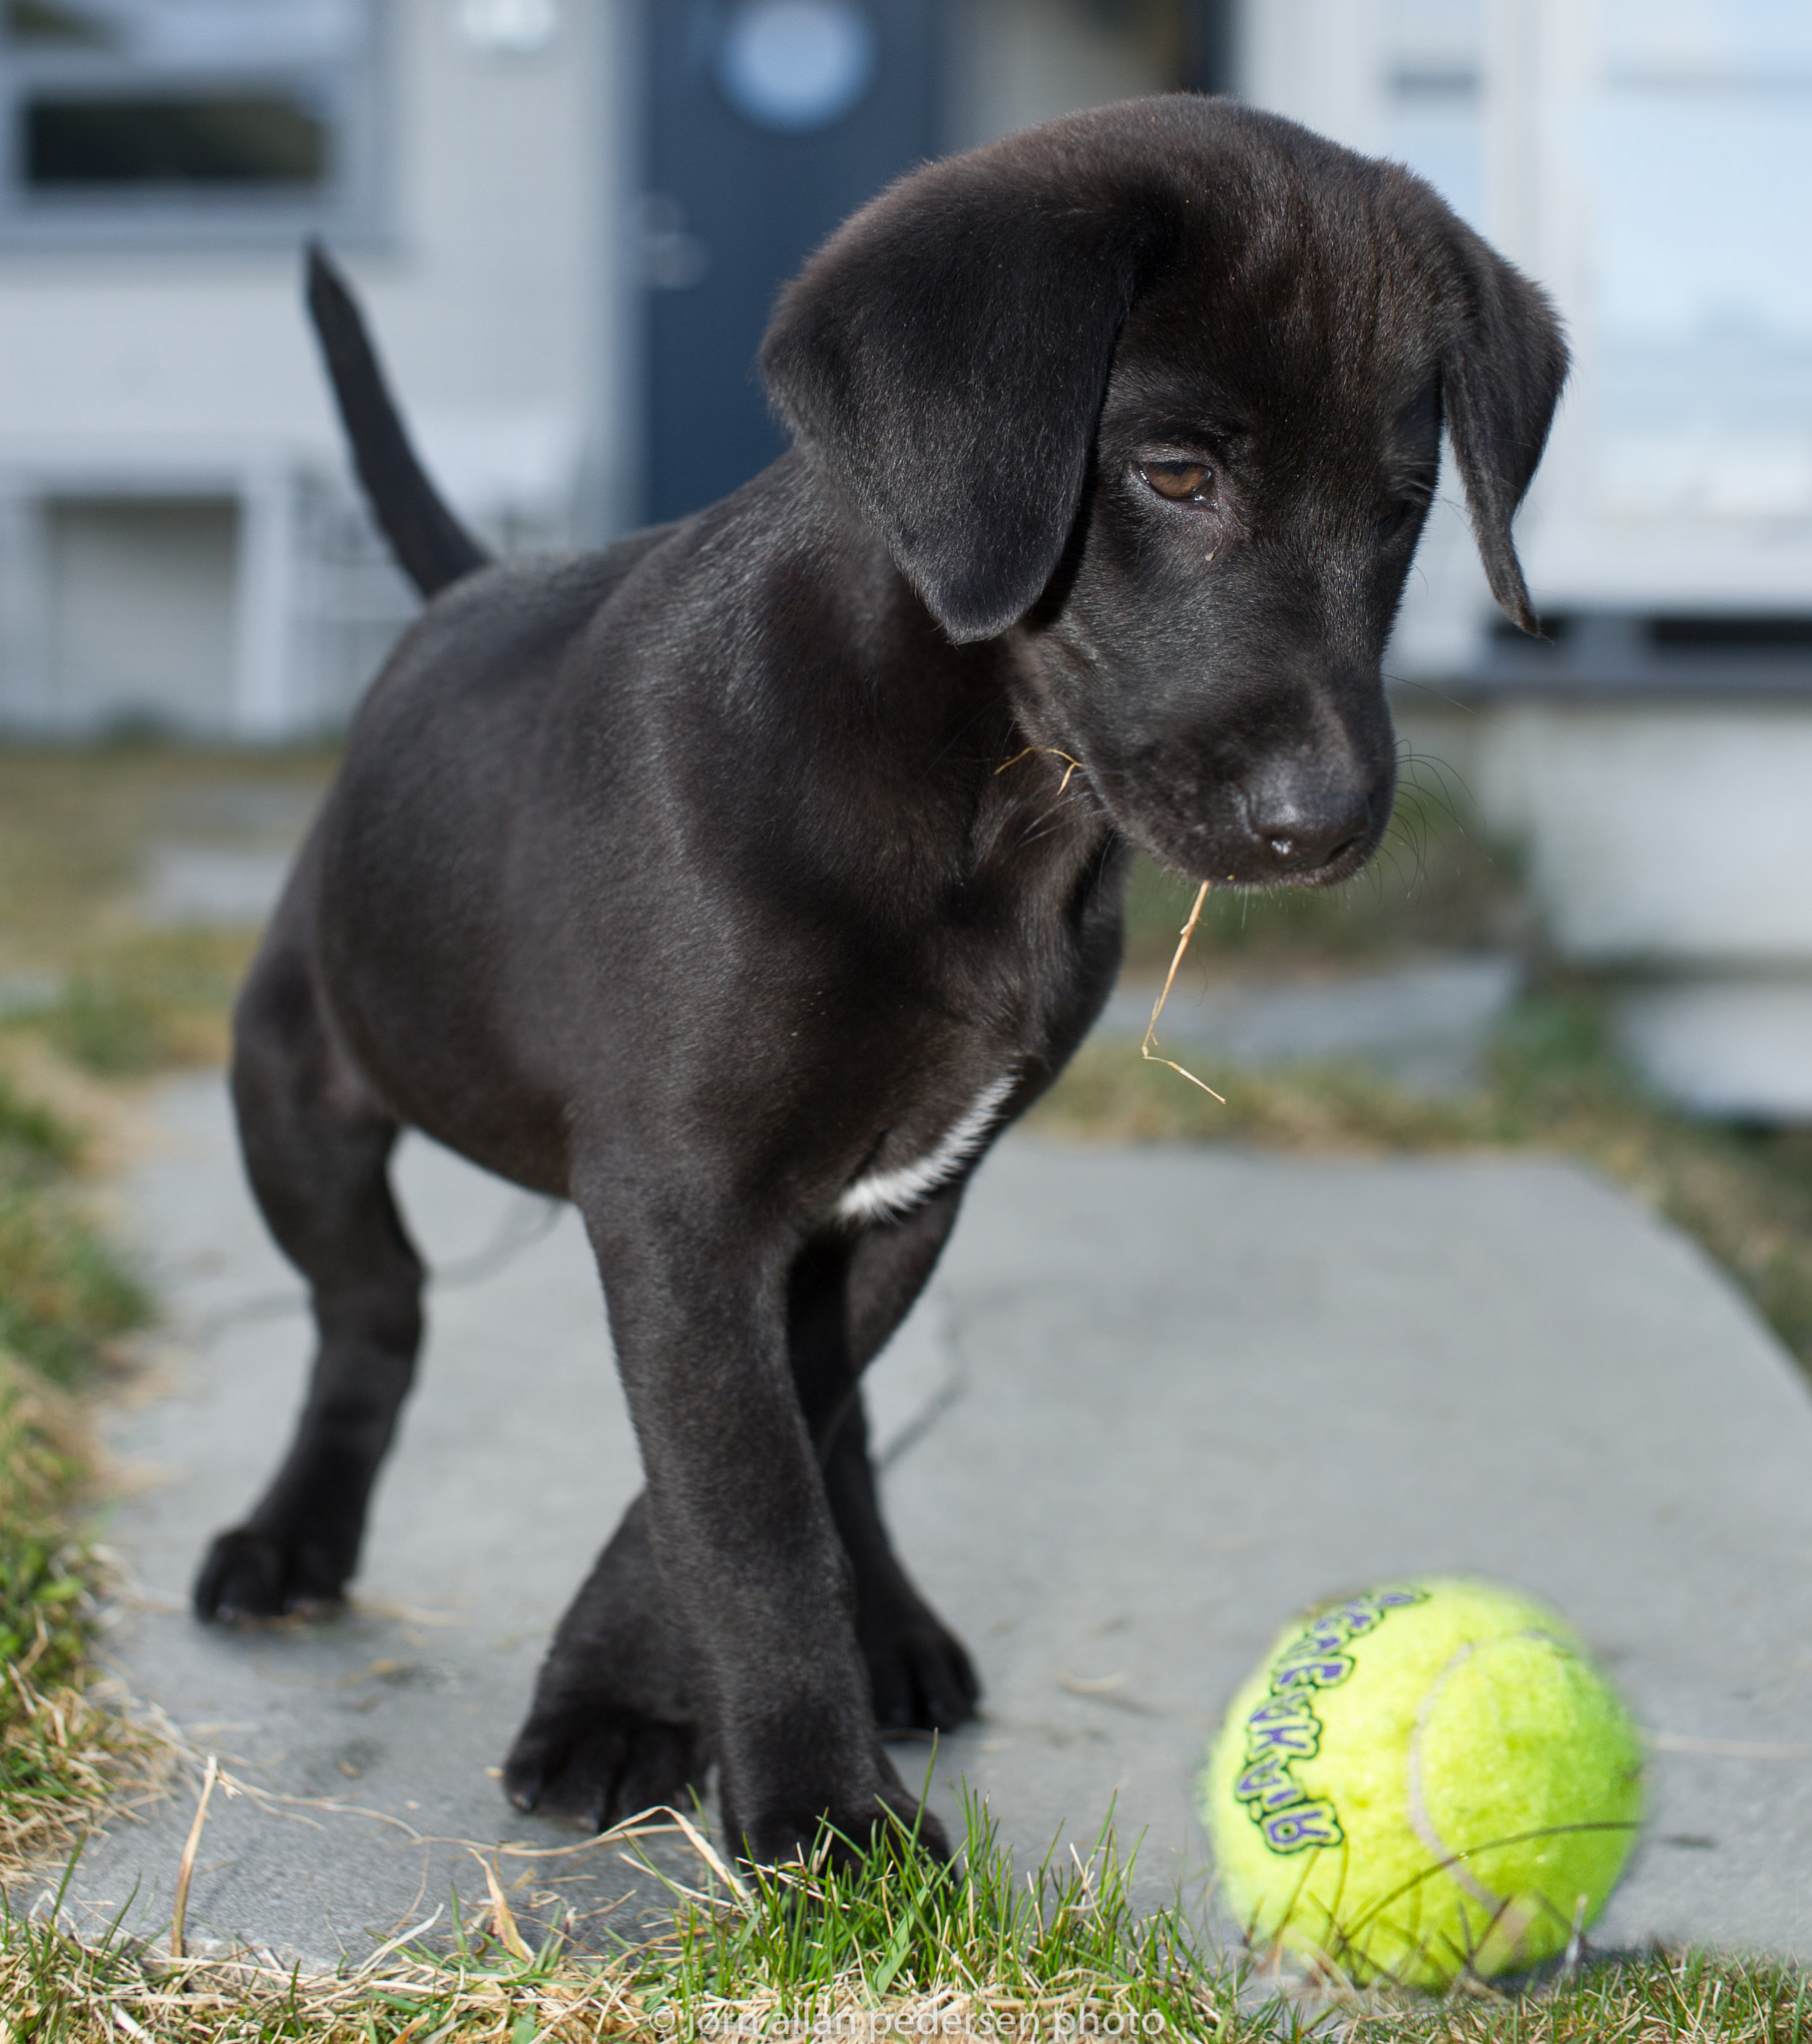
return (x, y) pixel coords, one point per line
(692, 880)
(431, 546)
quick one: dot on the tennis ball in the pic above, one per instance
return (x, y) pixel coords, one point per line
(1426, 1778)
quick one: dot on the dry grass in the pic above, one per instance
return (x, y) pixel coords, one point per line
(78, 968)
(892, 1948)
(70, 1754)
(75, 827)
(87, 989)
(1109, 1094)
(63, 1291)
(64, 1751)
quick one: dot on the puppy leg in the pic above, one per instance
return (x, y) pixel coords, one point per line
(919, 1676)
(616, 1726)
(847, 1299)
(739, 1522)
(316, 1147)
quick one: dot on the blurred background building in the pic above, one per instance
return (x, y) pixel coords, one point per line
(568, 219)
(1650, 161)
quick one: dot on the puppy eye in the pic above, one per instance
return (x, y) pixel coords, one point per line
(1395, 517)
(1182, 482)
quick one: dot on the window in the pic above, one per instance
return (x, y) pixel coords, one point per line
(1433, 59)
(185, 120)
(1696, 154)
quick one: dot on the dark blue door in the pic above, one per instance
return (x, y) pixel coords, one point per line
(770, 120)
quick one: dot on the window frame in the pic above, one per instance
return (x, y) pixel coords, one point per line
(349, 204)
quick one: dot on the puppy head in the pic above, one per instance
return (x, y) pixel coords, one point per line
(1156, 392)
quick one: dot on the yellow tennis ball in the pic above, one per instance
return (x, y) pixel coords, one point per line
(1426, 1778)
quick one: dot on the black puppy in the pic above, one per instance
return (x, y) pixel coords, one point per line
(741, 881)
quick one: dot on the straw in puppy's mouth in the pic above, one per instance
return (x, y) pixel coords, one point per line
(1183, 944)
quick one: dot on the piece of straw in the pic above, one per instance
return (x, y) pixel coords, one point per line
(185, 1867)
(503, 1919)
(1073, 766)
(701, 1846)
(1723, 1749)
(1183, 944)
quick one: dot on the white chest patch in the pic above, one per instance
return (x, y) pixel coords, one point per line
(889, 1195)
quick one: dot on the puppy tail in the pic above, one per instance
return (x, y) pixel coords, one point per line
(431, 546)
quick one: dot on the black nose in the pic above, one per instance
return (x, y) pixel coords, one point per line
(1303, 830)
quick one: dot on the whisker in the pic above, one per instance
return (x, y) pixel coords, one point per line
(1428, 688)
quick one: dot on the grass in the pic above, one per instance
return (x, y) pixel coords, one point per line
(78, 965)
(147, 1001)
(75, 827)
(888, 1947)
(63, 1289)
(85, 988)
(1060, 1953)
(64, 1296)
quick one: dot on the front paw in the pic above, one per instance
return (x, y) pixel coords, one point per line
(920, 1679)
(847, 1839)
(593, 1765)
(251, 1574)
(919, 1674)
(846, 1833)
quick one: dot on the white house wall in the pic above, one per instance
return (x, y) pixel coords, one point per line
(1659, 833)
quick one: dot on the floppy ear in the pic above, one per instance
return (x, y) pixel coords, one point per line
(945, 356)
(1501, 379)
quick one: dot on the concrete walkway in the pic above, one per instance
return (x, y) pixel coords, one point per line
(1158, 1400)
